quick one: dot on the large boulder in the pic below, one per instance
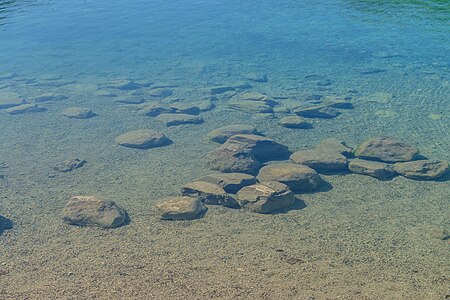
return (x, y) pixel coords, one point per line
(422, 169)
(209, 193)
(222, 134)
(142, 139)
(375, 169)
(266, 197)
(230, 182)
(180, 208)
(386, 149)
(321, 160)
(299, 178)
(93, 211)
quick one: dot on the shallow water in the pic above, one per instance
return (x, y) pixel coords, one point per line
(362, 239)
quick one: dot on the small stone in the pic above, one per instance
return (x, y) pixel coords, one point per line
(333, 144)
(266, 197)
(25, 109)
(180, 208)
(321, 160)
(153, 109)
(230, 182)
(209, 193)
(294, 122)
(70, 164)
(299, 178)
(320, 111)
(375, 169)
(178, 119)
(386, 149)
(94, 211)
(78, 113)
(142, 139)
(5, 224)
(422, 169)
(10, 99)
(222, 134)
(46, 97)
(185, 108)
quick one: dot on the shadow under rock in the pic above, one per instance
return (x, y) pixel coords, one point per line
(5, 224)
(298, 205)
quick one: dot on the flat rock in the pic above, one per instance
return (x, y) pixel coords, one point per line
(185, 108)
(320, 111)
(93, 211)
(10, 100)
(47, 97)
(250, 106)
(333, 144)
(263, 148)
(222, 134)
(25, 109)
(294, 122)
(266, 197)
(257, 77)
(142, 139)
(209, 193)
(321, 160)
(299, 178)
(232, 158)
(69, 164)
(121, 84)
(129, 99)
(204, 105)
(386, 149)
(230, 182)
(255, 96)
(179, 119)
(105, 93)
(375, 169)
(78, 113)
(160, 92)
(426, 169)
(179, 208)
(153, 109)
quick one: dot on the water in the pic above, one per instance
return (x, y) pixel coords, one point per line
(362, 239)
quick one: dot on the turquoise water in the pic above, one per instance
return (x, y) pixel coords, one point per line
(391, 58)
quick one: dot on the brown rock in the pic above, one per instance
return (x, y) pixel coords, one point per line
(375, 169)
(263, 148)
(180, 208)
(321, 160)
(78, 113)
(422, 169)
(386, 149)
(178, 119)
(230, 182)
(209, 193)
(222, 134)
(142, 139)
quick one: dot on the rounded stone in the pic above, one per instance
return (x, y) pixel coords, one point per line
(375, 169)
(266, 197)
(299, 178)
(422, 169)
(386, 149)
(178, 119)
(93, 211)
(222, 134)
(142, 139)
(231, 158)
(294, 122)
(10, 100)
(25, 109)
(179, 208)
(263, 148)
(78, 113)
(321, 160)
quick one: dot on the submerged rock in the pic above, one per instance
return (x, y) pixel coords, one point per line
(153, 109)
(375, 169)
(222, 134)
(294, 122)
(321, 160)
(160, 92)
(386, 149)
(257, 77)
(142, 139)
(10, 99)
(25, 109)
(93, 211)
(180, 208)
(46, 97)
(129, 99)
(230, 182)
(185, 108)
(266, 197)
(333, 144)
(178, 119)
(121, 84)
(231, 158)
(78, 113)
(70, 164)
(263, 148)
(299, 178)
(422, 169)
(250, 106)
(209, 193)
(320, 111)
(5, 224)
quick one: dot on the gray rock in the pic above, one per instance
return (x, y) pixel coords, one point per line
(46, 97)
(263, 148)
(209, 193)
(185, 108)
(320, 111)
(78, 113)
(386, 149)
(142, 139)
(180, 208)
(321, 160)
(333, 144)
(294, 122)
(25, 109)
(266, 197)
(230, 182)
(178, 119)
(422, 169)
(153, 109)
(375, 169)
(299, 178)
(204, 105)
(70, 164)
(222, 134)
(105, 93)
(93, 211)
(231, 158)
